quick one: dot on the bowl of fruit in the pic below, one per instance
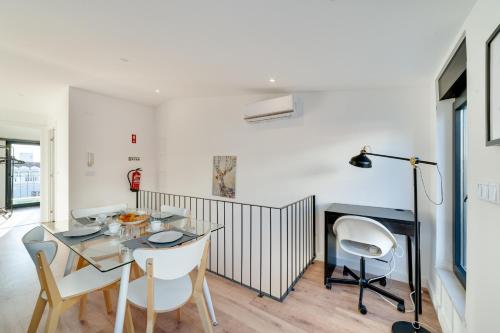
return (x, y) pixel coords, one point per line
(133, 218)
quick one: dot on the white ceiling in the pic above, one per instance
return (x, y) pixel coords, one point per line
(217, 47)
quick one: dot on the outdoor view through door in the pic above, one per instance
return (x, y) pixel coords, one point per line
(24, 179)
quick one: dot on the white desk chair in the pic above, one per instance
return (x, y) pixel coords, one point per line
(63, 293)
(167, 285)
(175, 210)
(85, 212)
(366, 238)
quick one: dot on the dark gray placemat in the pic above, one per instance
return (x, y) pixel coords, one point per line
(75, 240)
(172, 218)
(141, 242)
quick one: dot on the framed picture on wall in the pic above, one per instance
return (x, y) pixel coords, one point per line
(224, 176)
(493, 89)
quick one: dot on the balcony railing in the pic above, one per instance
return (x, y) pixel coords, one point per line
(25, 185)
(266, 249)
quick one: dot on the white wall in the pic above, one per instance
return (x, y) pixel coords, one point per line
(103, 125)
(282, 161)
(483, 226)
(482, 292)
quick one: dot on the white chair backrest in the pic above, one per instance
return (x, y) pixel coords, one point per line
(363, 236)
(175, 210)
(172, 263)
(33, 242)
(84, 212)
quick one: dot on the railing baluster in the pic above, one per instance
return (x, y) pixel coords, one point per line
(260, 256)
(270, 252)
(241, 238)
(250, 243)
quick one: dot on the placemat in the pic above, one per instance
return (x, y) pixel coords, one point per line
(75, 240)
(141, 242)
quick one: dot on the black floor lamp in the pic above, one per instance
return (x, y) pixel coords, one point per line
(362, 161)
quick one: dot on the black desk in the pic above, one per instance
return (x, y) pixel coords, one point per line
(398, 221)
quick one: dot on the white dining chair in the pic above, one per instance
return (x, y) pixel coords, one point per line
(63, 293)
(167, 285)
(85, 212)
(186, 213)
(366, 238)
(175, 210)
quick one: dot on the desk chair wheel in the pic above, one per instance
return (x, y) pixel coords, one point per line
(383, 282)
(362, 309)
(401, 307)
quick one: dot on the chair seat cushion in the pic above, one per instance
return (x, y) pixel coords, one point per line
(361, 249)
(86, 280)
(169, 295)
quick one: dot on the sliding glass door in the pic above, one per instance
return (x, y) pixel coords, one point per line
(23, 180)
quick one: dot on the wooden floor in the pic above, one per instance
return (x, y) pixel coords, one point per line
(311, 308)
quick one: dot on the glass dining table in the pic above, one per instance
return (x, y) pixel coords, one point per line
(106, 251)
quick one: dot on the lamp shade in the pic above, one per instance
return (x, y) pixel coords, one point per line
(361, 161)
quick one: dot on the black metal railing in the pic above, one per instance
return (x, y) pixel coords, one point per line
(266, 249)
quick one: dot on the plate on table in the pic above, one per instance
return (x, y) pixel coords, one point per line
(165, 237)
(78, 232)
(96, 216)
(161, 215)
(132, 218)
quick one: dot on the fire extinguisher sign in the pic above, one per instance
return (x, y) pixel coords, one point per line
(134, 138)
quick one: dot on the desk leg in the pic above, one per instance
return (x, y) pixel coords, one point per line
(410, 262)
(410, 271)
(210, 305)
(70, 262)
(330, 250)
(122, 299)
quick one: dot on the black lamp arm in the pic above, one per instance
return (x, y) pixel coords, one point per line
(416, 159)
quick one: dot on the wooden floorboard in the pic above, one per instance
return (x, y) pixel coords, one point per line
(310, 308)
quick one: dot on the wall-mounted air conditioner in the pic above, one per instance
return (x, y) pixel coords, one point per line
(270, 109)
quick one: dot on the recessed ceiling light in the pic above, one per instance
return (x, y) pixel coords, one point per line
(124, 59)
(272, 80)
(157, 91)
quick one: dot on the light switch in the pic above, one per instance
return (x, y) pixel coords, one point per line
(493, 192)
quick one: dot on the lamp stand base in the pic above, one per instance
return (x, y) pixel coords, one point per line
(407, 327)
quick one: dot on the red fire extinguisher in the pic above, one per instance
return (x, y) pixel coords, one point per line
(134, 180)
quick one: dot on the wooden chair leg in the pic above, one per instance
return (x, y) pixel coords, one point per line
(53, 319)
(150, 325)
(83, 308)
(129, 323)
(107, 300)
(37, 314)
(81, 263)
(136, 271)
(203, 311)
(178, 315)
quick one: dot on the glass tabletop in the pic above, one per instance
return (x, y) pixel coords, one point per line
(107, 251)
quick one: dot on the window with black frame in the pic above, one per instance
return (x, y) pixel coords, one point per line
(452, 84)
